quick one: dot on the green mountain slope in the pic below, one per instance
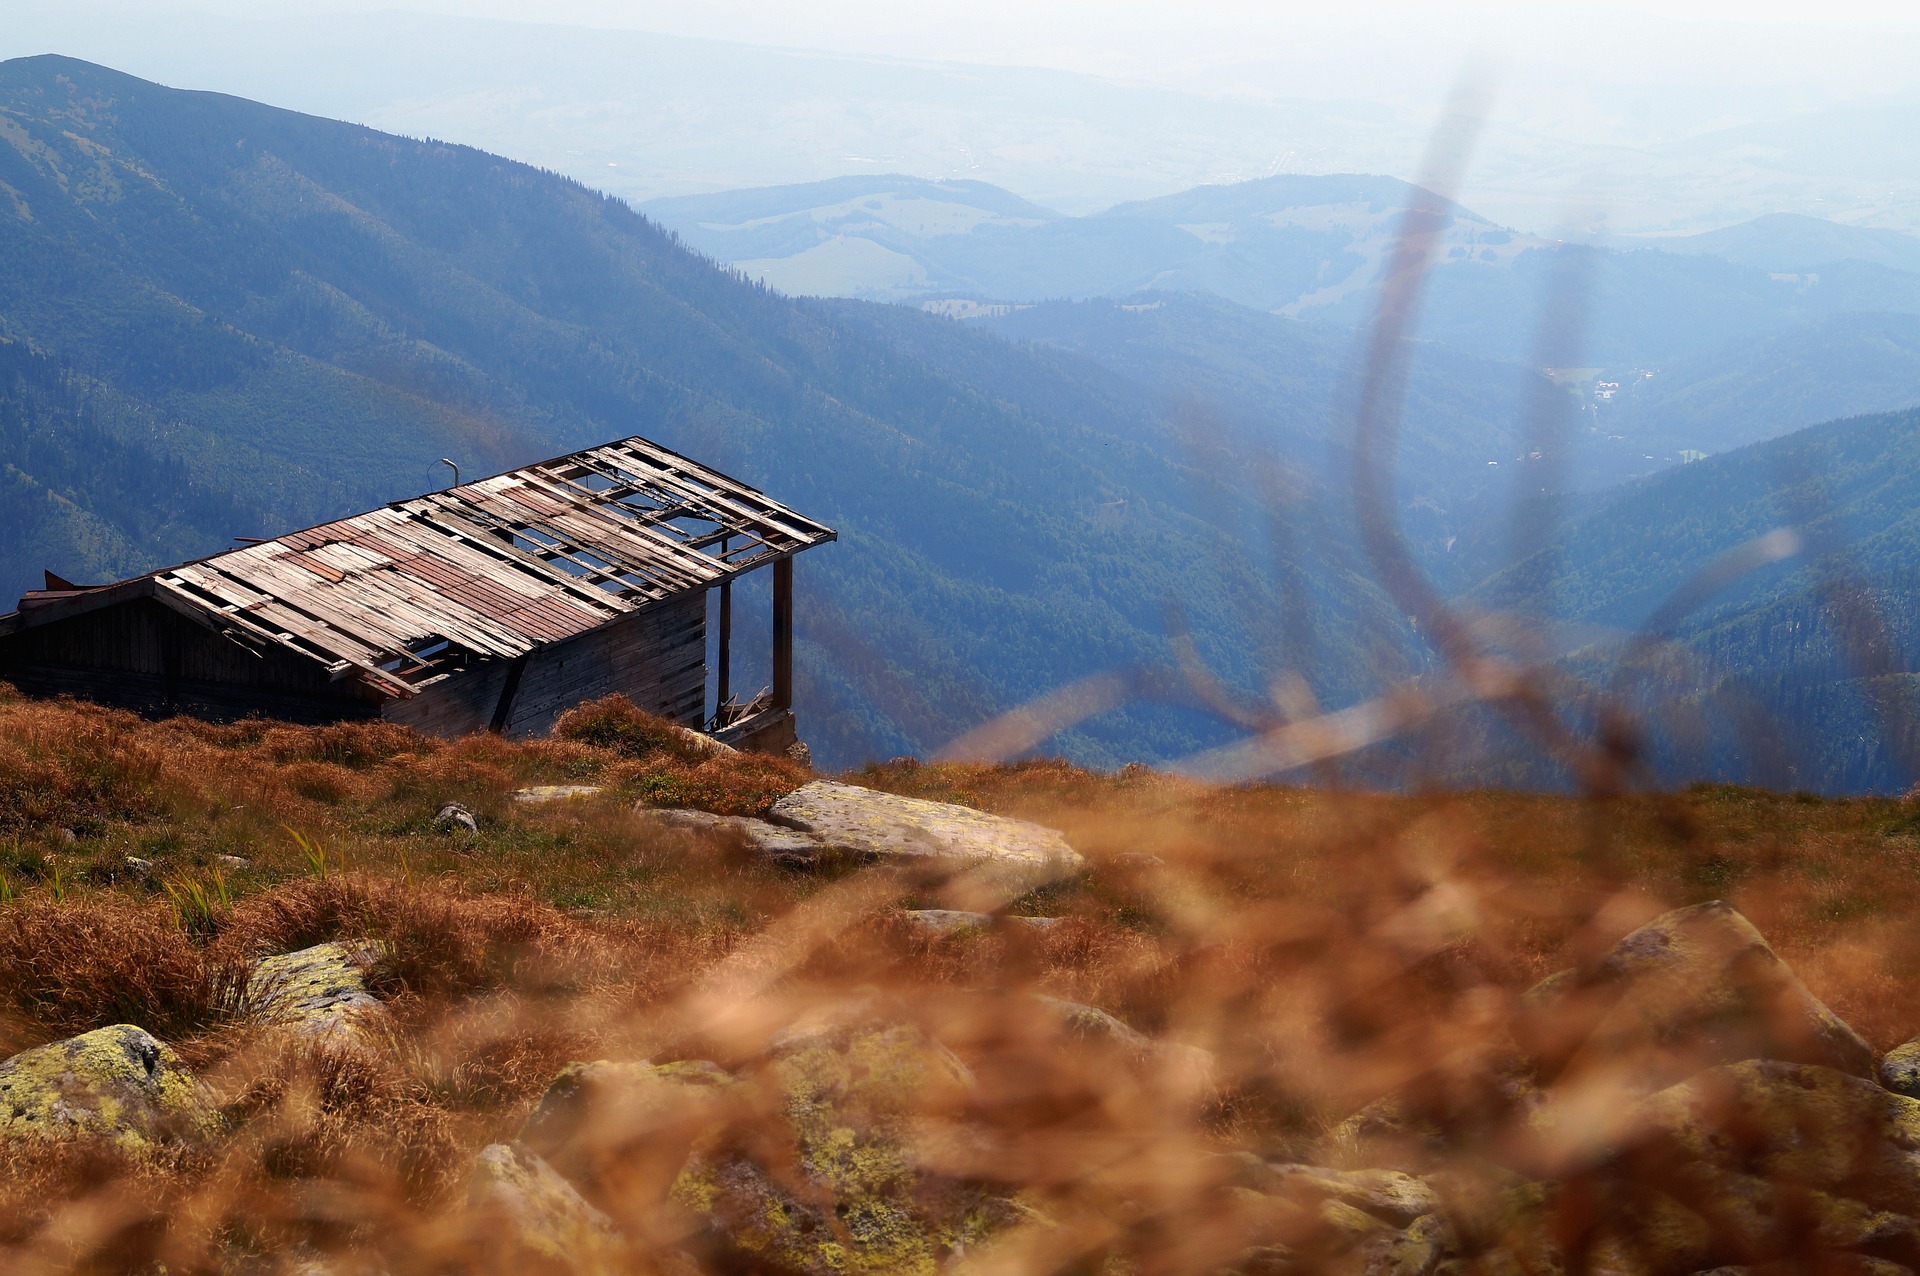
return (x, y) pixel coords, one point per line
(1777, 678)
(293, 318)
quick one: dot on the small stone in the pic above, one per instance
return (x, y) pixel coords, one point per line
(454, 815)
(235, 862)
(684, 820)
(318, 993)
(539, 1213)
(140, 866)
(117, 1083)
(554, 792)
(68, 836)
(800, 753)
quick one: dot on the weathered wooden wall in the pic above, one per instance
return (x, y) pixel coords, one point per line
(143, 656)
(656, 658)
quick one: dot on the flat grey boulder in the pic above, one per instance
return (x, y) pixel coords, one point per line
(950, 921)
(885, 826)
(318, 993)
(118, 1084)
(538, 793)
(785, 846)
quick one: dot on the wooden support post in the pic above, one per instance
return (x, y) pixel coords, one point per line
(783, 633)
(508, 690)
(723, 677)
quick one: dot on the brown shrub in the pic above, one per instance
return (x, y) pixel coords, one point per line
(441, 940)
(726, 783)
(66, 764)
(615, 723)
(67, 968)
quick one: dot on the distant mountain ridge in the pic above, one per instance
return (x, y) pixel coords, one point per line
(1311, 247)
(1794, 243)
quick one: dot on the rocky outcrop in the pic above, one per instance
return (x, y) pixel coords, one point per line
(1763, 1162)
(538, 1215)
(1900, 1069)
(883, 826)
(319, 994)
(118, 1084)
(852, 1093)
(832, 1185)
(1691, 989)
(1307, 1219)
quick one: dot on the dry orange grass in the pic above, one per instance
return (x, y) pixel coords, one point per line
(1328, 948)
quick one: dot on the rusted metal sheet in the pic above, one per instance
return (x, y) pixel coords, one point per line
(494, 568)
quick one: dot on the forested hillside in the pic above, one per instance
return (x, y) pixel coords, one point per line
(1792, 675)
(290, 318)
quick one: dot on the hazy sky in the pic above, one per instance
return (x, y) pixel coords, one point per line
(1361, 48)
(1596, 105)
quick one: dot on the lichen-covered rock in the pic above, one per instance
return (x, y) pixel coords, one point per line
(853, 1094)
(1799, 1127)
(1900, 1069)
(319, 993)
(538, 1214)
(809, 1162)
(622, 1132)
(884, 826)
(1691, 989)
(1186, 1068)
(117, 1084)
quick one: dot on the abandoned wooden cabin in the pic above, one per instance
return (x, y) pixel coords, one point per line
(495, 605)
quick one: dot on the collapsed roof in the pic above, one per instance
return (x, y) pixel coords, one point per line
(493, 568)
